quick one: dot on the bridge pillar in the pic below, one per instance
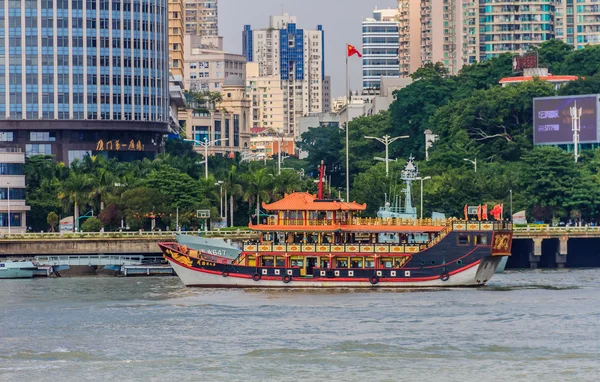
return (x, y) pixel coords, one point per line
(536, 254)
(561, 254)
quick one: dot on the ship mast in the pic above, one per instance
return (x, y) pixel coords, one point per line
(408, 175)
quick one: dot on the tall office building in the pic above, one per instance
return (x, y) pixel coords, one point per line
(202, 17)
(297, 56)
(380, 47)
(176, 30)
(84, 77)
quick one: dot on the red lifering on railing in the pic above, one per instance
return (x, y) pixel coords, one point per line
(445, 276)
(374, 280)
(256, 277)
(287, 278)
(225, 274)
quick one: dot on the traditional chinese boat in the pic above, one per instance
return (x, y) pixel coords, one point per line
(311, 242)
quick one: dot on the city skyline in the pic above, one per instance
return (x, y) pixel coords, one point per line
(339, 30)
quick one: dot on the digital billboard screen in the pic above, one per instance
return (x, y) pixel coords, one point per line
(552, 121)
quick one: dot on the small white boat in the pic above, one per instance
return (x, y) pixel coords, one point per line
(16, 269)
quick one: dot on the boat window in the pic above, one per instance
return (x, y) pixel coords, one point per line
(252, 261)
(324, 262)
(297, 261)
(370, 262)
(341, 262)
(481, 239)
(267, 261)
(280, 261)
(463, 239)
(356, 262)
(386, 262)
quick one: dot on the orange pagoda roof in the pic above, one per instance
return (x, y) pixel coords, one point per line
(303, 201)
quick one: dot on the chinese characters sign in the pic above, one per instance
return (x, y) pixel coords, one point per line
(117, 145)
(552, 121)
(526, 61)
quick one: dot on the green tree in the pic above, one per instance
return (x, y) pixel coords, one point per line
(547, 178)
(75, 193)
(91, 225)
(52, 220)
(257, 184)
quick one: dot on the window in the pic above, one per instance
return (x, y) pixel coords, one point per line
(341, 262)
(15, 193)
(370, 262)
(78, 154)
(15, 219)
(6, 136)
(463, 239)
(38, 149)
(481, 239)
(42, 136)
(11, 169)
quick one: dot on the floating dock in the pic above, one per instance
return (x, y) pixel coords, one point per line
(146, 270)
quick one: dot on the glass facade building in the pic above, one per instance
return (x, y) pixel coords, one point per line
(66, 61)
(380, 48)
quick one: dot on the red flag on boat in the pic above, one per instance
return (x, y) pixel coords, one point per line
(484, 212)
(479, 212)
(496, 212)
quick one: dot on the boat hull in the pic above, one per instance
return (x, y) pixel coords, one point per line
(475, 274)
(17, 270)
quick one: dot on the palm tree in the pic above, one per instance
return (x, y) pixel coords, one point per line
(102, 186)
(286, 183)
(75, 192)
(232, 187)
(258, 183)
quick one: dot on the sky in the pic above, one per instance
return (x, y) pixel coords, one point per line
(341, 20)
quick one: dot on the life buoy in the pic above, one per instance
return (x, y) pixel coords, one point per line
(330, 273)
(374, 280)
(225, 274)
(256, 276)
(286, 279)
(445, 276)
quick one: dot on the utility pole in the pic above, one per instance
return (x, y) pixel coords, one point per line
(206, 144)
(576, 127)
(472, 161)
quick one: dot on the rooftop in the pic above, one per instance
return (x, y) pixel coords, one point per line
(303, 201)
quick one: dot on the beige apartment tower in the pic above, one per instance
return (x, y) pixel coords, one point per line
(201, 17)
(176, 37)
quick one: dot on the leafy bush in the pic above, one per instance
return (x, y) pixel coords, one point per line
(91, 225)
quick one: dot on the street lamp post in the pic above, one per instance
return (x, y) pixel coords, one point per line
(511, 212)
(422, 179)
(472, 161)
(206, 144)
(220, 184)
(387, 140)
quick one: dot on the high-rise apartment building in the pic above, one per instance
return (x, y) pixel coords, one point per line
(297, 56)
(176, 37)
(267, 99)
(84, 77)
(429, 32)
(380, 47)
(459, 32)
(202, 17)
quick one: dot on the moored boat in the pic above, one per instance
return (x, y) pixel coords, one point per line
(314, 242)
(16, 269)
(212, 246)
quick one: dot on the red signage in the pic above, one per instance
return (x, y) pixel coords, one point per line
(526, 61)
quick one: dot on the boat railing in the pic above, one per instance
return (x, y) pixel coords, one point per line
(370, 221)
(476, 225)
(334, 248)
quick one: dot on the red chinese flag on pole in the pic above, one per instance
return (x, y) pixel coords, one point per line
(479, 212)
(352, 51)
(484, 213)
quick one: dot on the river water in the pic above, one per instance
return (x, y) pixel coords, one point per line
(524, 326)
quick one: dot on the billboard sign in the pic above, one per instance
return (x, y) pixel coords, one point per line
(552, 122)
(525, 61)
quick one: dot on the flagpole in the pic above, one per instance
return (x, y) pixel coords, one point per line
(347, 127)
